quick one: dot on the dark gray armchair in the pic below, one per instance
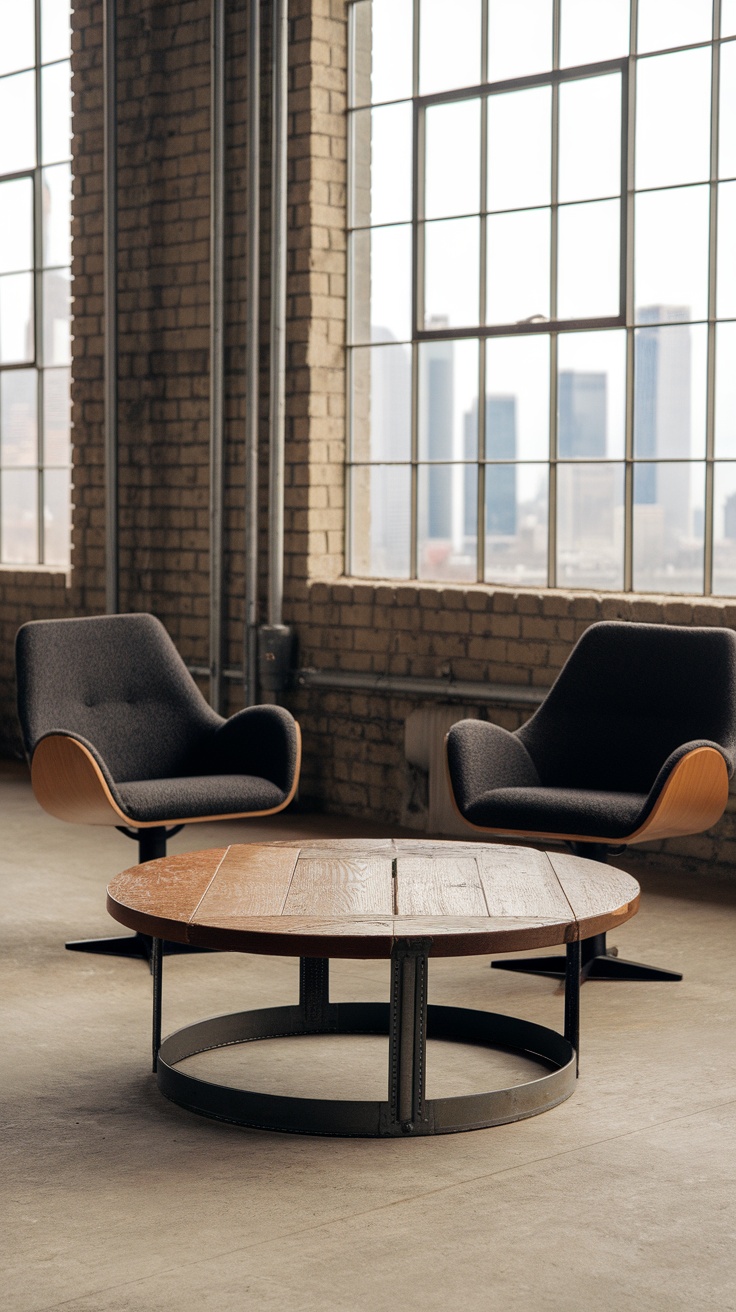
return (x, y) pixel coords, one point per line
(635, 741)
(117, 733)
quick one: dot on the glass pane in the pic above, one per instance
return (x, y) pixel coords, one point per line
(724, 529)
(18, 417)
(448, 522)
(16, 318)
(57, 215)
(55, 30)
(18, 106)
(57, 337)
(56, 113)
(448, 400)
(590, 32)
(673, 119)
(668, 527)
(451, 273)
(726, 288)
(725, 390)
(666, 23)
(519, 148)
(380, 521)
(381, 50)
(517, 369)
(588, 260)
(671, 264)
(518, 267)
(16, 225)
(360, 54)
(590, 138)
(452, 169)
(727, 121)
(517, 502)
(380, 379)
(19, 517)
(381, 165)
(18, 47)
(670, 379)
(519, 38)
(57, 516)
(449, 45)
(728, 17)
(57, 416)
(381, 284)
(590, 526)
(591, 394)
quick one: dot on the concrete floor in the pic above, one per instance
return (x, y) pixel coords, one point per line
(622, 1198)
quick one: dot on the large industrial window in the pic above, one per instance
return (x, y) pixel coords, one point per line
(542, 292)
(35, 257)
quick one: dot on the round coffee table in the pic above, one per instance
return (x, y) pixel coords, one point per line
(401, 900)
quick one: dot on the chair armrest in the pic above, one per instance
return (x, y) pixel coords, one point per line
(483, 756)
(689, 794)
(71, 781)
(263, 741)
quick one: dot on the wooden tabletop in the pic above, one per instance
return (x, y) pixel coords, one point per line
(353, 898)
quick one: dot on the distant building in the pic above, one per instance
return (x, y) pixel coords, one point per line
(382, 428)
(501, 497)
(582, 399)
(586, 491)
(662, 389)
(436, 403)
(729, 517)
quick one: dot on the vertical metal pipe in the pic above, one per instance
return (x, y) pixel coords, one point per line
(250, 662)
(277, 413)
(217, 333)
(110, 281)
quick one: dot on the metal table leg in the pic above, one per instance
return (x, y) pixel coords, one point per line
(407, 1037)
(157, 971)
(572, 1000)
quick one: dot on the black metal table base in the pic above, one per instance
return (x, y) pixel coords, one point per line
(409, 1022)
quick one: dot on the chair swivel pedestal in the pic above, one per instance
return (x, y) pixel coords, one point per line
(151, 846)
(597, 960)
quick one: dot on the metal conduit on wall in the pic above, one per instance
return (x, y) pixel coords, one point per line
(277, 416)
(110, 282)
(217, 345)
(274, 638)
(250, 652)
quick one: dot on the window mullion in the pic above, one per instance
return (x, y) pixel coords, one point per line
(38, 293)
(630, 308)
(708, 525)
(482, 347)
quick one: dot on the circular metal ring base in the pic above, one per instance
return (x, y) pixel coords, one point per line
(334, 1116)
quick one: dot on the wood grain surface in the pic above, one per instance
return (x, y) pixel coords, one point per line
(355, 898)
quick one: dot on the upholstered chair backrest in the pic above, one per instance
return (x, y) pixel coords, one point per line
(118, 683)
(628, 696)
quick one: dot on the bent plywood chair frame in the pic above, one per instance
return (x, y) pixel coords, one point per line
(693, 799)
(69, 784)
